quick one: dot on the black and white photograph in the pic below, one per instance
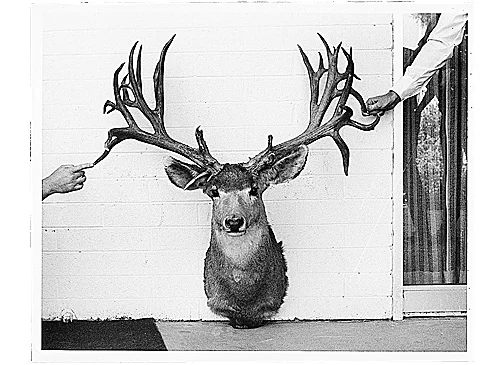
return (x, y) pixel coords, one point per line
(250, 181)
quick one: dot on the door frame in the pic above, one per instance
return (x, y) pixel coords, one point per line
(412, 300)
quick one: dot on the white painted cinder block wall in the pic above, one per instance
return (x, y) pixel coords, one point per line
(130, 244)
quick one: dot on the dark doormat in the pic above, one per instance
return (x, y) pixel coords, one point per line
(140, 334)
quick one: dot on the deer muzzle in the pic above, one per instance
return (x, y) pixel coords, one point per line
(235, 225)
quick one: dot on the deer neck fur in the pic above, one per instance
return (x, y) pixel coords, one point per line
(239, 250)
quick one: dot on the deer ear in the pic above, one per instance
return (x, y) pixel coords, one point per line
(186, 176)
(286, 169)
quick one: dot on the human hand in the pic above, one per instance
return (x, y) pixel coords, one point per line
(377, 105)
(64, 179)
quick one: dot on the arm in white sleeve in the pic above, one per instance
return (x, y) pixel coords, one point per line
(447, 34)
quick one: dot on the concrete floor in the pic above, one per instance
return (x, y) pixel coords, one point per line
(422, 335)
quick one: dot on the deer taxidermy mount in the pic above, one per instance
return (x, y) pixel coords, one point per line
(245, 270)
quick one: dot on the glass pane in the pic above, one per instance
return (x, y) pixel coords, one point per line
(435, 169)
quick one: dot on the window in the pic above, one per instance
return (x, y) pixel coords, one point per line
(435, 170)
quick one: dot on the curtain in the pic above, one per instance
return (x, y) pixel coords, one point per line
(435, 174)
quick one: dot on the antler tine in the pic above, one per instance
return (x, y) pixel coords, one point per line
(314, 77)
(139, 101)
(158, 78)
(317, 128)
(160, 138)
(138, 70)
(347, 75)
(344, 150)
(119, 102)
(330, 92)
(333, 78)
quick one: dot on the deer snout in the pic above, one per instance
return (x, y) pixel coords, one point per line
(235, 224)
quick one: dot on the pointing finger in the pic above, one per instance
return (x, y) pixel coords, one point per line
(83, 166)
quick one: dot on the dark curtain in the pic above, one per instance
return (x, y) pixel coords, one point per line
(435, 175)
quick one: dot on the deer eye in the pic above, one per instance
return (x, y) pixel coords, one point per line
(254, 190)
(214, 192)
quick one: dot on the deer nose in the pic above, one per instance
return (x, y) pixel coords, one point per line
(235, 223)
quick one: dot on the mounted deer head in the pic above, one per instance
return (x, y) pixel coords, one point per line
(245, 270)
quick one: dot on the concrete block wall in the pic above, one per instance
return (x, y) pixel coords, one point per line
(130, 244)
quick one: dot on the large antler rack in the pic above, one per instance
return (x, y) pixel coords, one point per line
(317, 128)
(132, 83)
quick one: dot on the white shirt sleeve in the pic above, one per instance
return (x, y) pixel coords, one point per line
(447, 34)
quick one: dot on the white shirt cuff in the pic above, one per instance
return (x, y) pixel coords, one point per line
(403, 87)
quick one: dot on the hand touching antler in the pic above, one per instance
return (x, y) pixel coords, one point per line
(317, 127)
